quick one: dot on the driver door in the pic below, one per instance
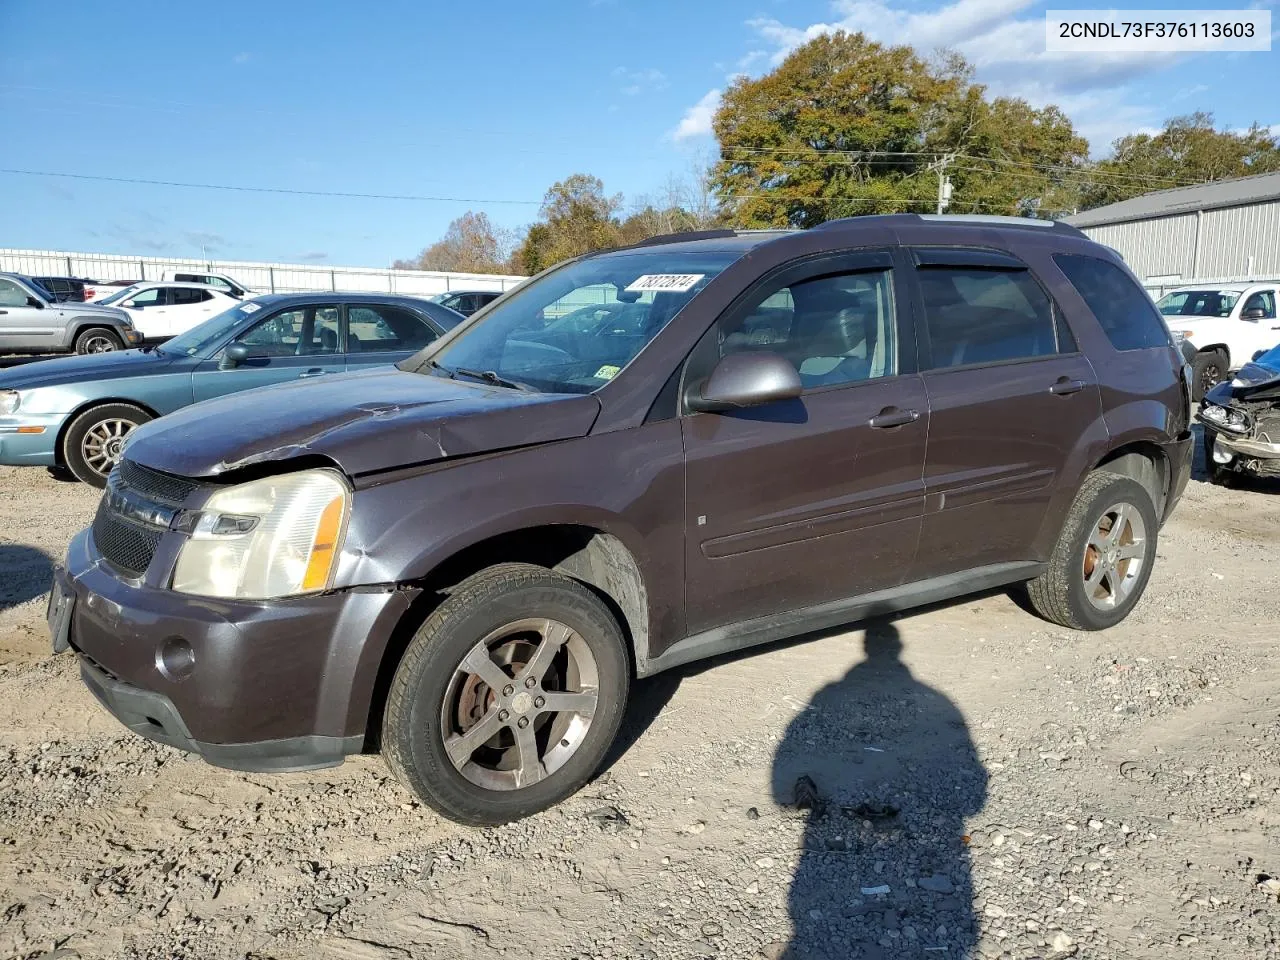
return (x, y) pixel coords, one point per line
(296, 343)
(1262, 332)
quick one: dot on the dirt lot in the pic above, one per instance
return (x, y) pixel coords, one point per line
(987, 785)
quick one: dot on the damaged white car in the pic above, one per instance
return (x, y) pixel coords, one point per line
(1241, 421)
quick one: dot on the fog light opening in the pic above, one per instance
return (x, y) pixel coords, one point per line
(175, 659)
(1221, 455)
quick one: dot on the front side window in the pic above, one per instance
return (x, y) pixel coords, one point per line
(384, 329)
(984, 315)
(522, 340)
(1122, 308)
(1264, 300)
(302, 331)
(153, 297)
(12, 294)
(834, 329)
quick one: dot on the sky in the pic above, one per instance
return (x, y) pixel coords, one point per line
(455, 106)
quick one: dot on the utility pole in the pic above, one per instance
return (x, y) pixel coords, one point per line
(944, 182)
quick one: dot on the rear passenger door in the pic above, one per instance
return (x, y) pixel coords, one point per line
(378, 333)
(1010, 398)
(188, 306)
(796, 503)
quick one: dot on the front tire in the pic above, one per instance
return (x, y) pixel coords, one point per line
(98, 340)
(508, 696)
(93, 442)
(1208, 370)
(1103, 558)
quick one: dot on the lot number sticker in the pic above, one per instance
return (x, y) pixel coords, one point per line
(665, 282)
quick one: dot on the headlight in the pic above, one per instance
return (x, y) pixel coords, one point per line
(1227, 417)
(275, 537)
(9, 400)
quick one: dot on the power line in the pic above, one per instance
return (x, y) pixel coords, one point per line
(280, 190)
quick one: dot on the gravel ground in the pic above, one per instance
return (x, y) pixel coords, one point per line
(966, 781)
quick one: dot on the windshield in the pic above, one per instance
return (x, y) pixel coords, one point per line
(122, 294)
(199, 339)
(1198, 303)
(573, 330)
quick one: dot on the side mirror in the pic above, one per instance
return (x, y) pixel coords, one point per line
(35, 302)
(237, 353)
(747, 380)
(1257, 354)
(1257, 313)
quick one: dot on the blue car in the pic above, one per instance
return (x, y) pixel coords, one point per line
(76, 412)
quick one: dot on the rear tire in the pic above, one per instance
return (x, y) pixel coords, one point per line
(1207, 370)
(486, 753)
(1097, 573)
(98, 340)
(92, 444)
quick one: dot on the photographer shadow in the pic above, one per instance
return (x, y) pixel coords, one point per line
(888, 774)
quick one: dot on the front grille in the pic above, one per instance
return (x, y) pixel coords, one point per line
(124, 540)
(129, 546)
(153, 484)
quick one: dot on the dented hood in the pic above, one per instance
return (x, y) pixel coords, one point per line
(365, 422)
(1259, 380)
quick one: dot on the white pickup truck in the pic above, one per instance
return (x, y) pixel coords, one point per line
(1226, 325)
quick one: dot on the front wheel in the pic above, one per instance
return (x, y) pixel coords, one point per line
(95, 439)
(98, 340)
(508, 697)
(1103, 558)
(1208, 369)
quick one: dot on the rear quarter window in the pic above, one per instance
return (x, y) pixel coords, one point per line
(1123, 310)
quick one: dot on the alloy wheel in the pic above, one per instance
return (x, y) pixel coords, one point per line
(520, 703)
(1114, 556)
(103, 444)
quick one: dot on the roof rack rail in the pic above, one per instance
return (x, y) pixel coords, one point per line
(718, 234)
(974, 219)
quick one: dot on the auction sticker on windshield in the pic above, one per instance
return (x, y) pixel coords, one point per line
(665, 282)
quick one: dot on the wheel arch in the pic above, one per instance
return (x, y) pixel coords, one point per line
(84, 408)
(594, 557)
(1214, 348)
(81, 324)
(1147, 463)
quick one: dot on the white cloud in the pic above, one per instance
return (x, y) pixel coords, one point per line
(243, 56)
(696, 121)
(1007, 52)
(640, 81)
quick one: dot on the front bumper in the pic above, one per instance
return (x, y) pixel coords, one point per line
(275, 685)
(20, 443)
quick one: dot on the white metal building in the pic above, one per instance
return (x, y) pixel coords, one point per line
(1226, 230)
(259, 277)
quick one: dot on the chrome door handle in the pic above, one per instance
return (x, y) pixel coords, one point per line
(893, 417)
(1064, 387)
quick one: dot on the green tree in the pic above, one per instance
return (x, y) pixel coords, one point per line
(1189, 149)
(847, 126)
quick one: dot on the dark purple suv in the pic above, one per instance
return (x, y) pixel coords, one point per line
(639, 458)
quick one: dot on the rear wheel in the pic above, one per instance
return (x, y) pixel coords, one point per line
(1208, 370)
(1102, 560)
(98, 340)
(508, 697)
(93, 442)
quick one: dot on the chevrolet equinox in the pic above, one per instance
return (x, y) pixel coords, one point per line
(639, 458)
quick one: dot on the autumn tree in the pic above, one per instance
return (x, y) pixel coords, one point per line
(577, 216)
(1189, 149)
(846, 126)
(471, 244)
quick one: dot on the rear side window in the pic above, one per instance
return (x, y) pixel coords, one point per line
(986, 315)
(183, 296)
(1124, 311)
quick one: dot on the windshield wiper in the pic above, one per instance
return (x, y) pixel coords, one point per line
(490, 376)
(437, 365)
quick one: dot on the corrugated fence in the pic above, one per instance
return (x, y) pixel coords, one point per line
(260, 277)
